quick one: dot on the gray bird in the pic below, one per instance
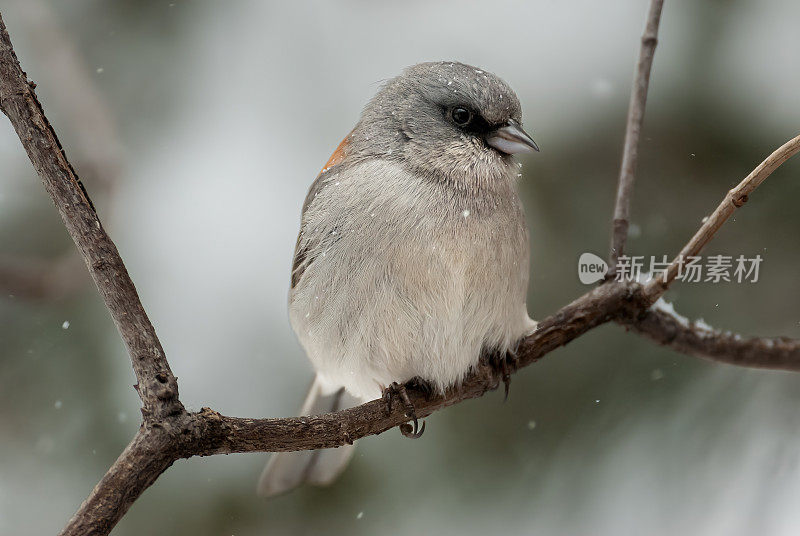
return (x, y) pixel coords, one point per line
(412, 257)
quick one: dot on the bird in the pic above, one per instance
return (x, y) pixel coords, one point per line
(412, 260)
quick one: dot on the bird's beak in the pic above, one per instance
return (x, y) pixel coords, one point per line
(511, 139)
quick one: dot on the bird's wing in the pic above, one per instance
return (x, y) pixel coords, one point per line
(303, 249)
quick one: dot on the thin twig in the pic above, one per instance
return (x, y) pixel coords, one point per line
(734, 199)
(633, 129)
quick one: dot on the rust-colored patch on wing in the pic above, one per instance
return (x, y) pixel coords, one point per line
(338, 155)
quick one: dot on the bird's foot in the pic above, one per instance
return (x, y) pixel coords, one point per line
(398, 391)
(503, 364)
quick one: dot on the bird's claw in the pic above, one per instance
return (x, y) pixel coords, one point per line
(504, 364)
(412, 432)
(399, 390)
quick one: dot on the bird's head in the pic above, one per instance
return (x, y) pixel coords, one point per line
(446, 119)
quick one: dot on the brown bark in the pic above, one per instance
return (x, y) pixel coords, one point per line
(668, 329)
(633, 132)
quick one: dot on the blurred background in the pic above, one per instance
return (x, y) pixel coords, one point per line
(198, 126)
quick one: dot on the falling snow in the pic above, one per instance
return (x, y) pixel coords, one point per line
(657, 374)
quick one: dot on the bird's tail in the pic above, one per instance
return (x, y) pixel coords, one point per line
(288, 470)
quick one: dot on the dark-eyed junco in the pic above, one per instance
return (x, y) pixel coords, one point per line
(412, 258)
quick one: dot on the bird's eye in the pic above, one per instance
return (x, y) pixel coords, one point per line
(461, 116)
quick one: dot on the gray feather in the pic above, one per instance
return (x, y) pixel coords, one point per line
(305, 248)
(288, 470)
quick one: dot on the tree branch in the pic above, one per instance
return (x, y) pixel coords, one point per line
(148, 455)
(206, 432)
(735, 198)
(633, 130)
(215, 434)
(663, 325)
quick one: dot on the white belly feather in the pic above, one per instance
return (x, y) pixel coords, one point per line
(416, 283)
